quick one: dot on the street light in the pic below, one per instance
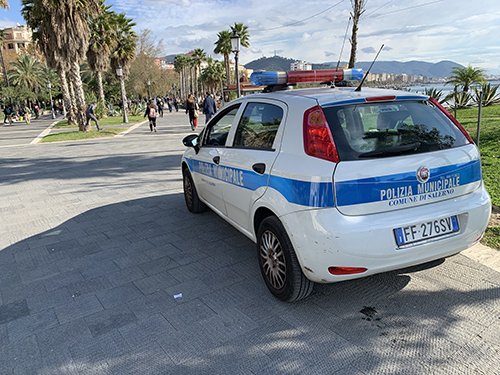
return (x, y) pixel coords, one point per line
(235, 47)
(149, 88)
(49, 86)
(119, 73)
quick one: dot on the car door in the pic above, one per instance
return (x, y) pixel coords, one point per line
(245, 164)
(205, 163)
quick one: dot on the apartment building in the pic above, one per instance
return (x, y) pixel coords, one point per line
(16, 37)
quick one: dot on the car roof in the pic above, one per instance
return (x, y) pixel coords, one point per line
(326, 96)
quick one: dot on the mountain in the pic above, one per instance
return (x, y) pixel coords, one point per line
(431, 70)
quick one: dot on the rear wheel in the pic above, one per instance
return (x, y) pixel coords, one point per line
(279, 264)
(193, 202)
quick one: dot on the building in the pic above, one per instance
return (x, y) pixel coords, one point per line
(300, 65)
(16, 38)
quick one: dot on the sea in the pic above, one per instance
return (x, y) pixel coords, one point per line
(446, 89)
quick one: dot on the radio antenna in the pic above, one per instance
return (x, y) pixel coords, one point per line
(370, 68)
(345, 37)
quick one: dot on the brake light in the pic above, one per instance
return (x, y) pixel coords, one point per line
(318, 140)
(453, 119)
(301, 76)
(380, 98)
(346, 270)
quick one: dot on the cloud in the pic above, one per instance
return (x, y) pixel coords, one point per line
(368, 50)
(479, 61)
(329, 53)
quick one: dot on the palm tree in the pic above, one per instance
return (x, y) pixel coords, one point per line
(198, 57)
(66, 48)
(213, 75)
(223, 47)
(4, 69)
(26, 72)
(101, 44)
(4, 4)
(465, 77)
(242, 31)
(124, 52)
(180, 64)
(126, 41)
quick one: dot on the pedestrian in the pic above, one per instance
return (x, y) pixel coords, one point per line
(169, 103)
(209, 107)
(27, 115)
(151, 112)
(37, 111)
(191, 109)
(160, 107)
(176, 104)
(8, 114)
(90, 114)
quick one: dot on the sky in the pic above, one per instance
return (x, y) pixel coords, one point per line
(423, 30)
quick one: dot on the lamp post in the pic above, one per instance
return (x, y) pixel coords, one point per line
(119, 73)
(49, 86)
(149, 88)
(235, 47)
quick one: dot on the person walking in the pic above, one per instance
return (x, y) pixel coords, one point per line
(209, 107)
(27, 115)
(90, 114)
(192, 111)
(8, 115)
(151, 112)
(176, 104)
(160, 106)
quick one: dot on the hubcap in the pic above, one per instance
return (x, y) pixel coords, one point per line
(273, 260)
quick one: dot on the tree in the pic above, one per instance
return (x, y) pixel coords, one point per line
(213, 75)
(4, 4)
(26, 72)
(66, 48)
(465, 77)
(198, 57)
(223, 47)
(2, 61)
(180, 64)
(358, 7)
(101, 44)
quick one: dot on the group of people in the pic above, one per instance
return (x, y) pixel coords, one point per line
(22, 113)
(192, 108)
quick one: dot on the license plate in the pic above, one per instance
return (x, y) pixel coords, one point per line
(426, 230)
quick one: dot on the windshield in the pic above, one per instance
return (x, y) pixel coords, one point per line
(373, 130)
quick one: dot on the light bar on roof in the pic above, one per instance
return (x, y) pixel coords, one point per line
(302, 76)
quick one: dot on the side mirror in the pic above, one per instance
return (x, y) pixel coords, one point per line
(192, 141)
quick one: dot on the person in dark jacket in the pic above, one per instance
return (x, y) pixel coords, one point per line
(90, 114)
(209, 107)
(191, 109)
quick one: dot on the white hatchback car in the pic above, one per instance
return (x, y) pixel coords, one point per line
(335, 184)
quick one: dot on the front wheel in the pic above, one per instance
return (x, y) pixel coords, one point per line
(279, 264)
(193, 202)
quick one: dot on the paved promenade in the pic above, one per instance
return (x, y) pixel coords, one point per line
(104, 271)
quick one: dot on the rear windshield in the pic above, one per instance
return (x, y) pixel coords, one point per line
(374, 130)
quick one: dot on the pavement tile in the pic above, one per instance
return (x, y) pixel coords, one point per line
(17, 291)
(82, 306)
(118, 295)
(63, 280)
(110, 319)
(126, 275)
(131, 260)
(91, 286)
(13, 311)
(48, 300)
(29, 325)
(99, 268)
(158, 265)
(156, 282)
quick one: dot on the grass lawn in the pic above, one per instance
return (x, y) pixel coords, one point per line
(489, 146)
(108, 121)
(77, 135)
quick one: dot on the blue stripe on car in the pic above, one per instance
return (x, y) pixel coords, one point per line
(352, 192)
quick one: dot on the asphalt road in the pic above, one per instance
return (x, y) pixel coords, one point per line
(104, 271)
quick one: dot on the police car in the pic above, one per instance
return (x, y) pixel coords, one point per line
(337, 183)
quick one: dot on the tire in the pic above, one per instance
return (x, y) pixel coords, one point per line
(278, 263)
(193, 202)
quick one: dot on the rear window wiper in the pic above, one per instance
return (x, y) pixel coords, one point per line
(391, 150)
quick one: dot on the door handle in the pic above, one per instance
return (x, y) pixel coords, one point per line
(260, 168)
(216, 159)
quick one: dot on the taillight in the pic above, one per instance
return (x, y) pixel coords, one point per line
(318, 140)
(453, 119)
(346, 270)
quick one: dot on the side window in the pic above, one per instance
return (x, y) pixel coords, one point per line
(258, 126)
(216, 134)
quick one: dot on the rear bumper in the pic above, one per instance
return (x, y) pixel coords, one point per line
(323, 237)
